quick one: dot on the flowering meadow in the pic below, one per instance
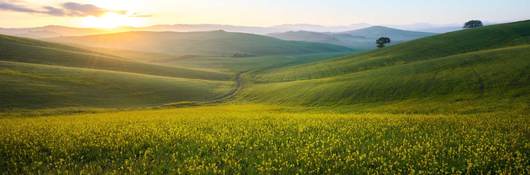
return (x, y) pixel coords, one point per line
(258, 139)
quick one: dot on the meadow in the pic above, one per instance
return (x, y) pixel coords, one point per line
(260, 139)
(454, 103)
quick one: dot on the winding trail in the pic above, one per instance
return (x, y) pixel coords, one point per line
(232, 93)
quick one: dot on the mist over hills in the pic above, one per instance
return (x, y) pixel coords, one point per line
(50, 31)
(213, 43)
(357, 36)
(57, 31)
(427, 27)
(363, 39)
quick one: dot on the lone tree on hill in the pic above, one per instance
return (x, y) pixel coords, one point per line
(473, 24)
(382, 41)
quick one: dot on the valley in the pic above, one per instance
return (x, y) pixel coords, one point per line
(217, 102)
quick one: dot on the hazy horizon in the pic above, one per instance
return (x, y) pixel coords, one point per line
(272, 25)
(138, 13)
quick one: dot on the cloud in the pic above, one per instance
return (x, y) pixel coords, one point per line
(77, 9)
(65, 9)
(13, 7)
(54, 11)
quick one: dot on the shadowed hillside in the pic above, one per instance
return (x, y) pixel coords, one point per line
(33, 51)
(41, 86)
(36, 74)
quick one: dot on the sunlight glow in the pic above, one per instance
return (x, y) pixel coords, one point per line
(111, 21)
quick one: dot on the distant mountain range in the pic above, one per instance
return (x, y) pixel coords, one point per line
(58, 31)
(251, 29)
(357, 36)
(363, 39)
(50, 31)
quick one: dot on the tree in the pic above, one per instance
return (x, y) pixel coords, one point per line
(473, 24)
(382, 41)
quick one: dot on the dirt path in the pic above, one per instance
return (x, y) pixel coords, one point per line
(238, 86)
(232, 93)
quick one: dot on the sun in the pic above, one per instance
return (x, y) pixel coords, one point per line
(111, 21)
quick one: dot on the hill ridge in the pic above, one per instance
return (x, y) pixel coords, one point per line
(59, 54)
(425, 48)
(460, 72)
(362, 39)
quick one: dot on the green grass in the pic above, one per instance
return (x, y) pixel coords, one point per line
(470, 74)
(450, 104)
(34, 51)
(41, 75)
(257, 139)
(41, 86)
(233, 64)
(485, 38)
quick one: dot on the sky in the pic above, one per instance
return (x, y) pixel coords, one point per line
(111, 13)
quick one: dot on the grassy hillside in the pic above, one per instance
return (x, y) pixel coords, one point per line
(482, 69)
(491, 37)
(215, 43)
(33, 51)
(37, 74)
(41, 86)
(362, 39)
(233, 64)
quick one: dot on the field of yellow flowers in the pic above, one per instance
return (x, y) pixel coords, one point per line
(254, 139)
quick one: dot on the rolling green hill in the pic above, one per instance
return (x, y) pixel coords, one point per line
(497, 36)
(482, 69)
(237, 64)
(362, 39)
(215, 43)
(37, 74)
(229, 64)
(27, 85)
(33, 51)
